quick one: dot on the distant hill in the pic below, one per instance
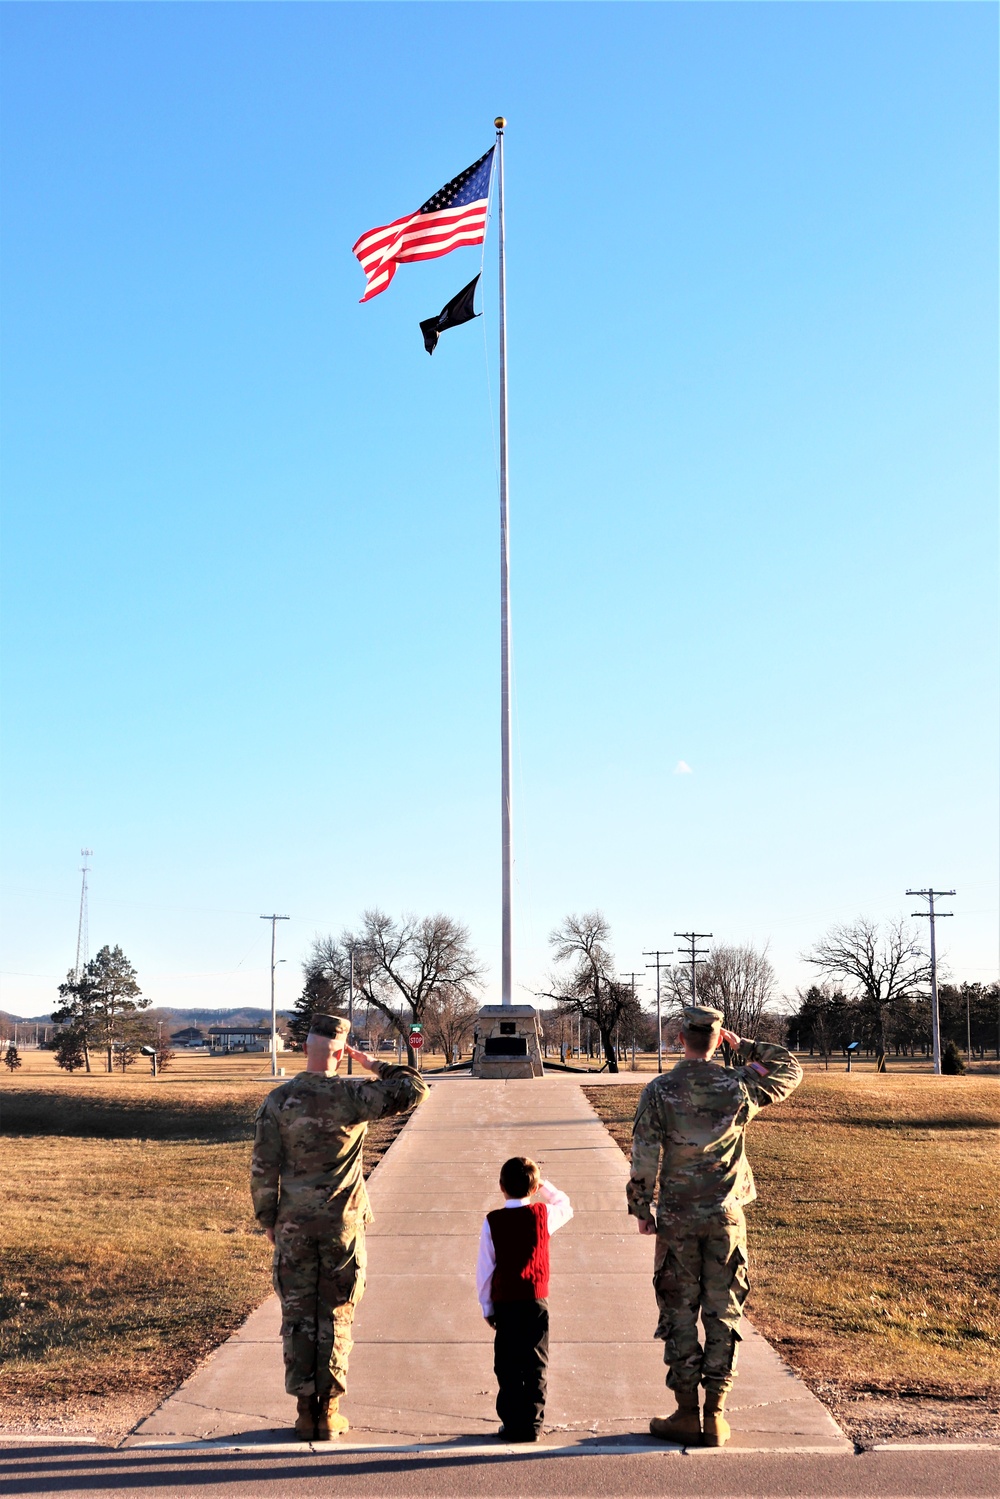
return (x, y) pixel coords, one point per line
(245, 1015)
(5, 1016)
(176, 1019)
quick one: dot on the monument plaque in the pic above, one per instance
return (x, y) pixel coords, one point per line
(508, 1042)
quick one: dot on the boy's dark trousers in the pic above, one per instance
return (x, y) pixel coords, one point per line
(520, 1362)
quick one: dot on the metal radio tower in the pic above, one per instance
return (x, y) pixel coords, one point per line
(82, 933)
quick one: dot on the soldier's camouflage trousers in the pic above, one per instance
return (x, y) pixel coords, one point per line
(701, 1265)
(319, 1280)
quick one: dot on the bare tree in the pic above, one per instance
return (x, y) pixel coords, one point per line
(560, 1029)
(400, 968)
(591, 988)
(885, 967)
(675, 989)
(451, 1018)
(739, 981)
(377, 1028)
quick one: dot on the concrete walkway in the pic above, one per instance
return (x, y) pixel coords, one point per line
(421, 1372)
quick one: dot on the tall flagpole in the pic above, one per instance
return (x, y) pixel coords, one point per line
(505, 790)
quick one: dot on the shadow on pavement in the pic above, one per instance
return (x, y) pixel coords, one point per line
(131, 1470)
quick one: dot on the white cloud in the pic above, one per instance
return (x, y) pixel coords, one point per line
(682, 768)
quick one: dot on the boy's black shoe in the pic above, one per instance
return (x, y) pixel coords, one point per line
(517, 1436)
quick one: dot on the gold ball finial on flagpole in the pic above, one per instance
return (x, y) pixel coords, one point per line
(499, 122)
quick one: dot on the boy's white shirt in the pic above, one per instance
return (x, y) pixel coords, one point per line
(558, 1211)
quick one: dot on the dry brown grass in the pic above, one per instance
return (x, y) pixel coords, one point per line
(185, 1067)
(125, 1258)
(874, 1250)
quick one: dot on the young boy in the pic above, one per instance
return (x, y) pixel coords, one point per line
(512, 1282)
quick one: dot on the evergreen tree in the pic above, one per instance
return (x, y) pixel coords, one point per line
(70, 1049)
(11, 1057)
(77, 1013)
(951, 1061)
(100, 1000)
(130, 1036)
(321, 994)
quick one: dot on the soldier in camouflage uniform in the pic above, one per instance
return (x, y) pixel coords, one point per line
(688, 1141)
(309, 1197)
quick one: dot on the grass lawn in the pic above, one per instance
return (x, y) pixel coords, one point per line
(127, 1245)
(875, 1259)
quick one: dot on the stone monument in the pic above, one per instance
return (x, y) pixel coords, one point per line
(507, 1042)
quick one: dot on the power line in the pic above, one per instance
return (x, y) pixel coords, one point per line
(931, 914)
(693, 957)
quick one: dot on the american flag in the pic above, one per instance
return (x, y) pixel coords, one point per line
(454, 216)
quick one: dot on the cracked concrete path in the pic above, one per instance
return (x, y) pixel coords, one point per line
(421, 1371)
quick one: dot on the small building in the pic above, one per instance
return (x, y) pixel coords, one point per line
(191, 1035)
(225, 1038)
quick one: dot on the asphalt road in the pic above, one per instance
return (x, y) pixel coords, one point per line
(95, 1472)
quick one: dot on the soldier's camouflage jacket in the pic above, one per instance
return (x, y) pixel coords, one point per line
(689, 1130)
(307, 1152)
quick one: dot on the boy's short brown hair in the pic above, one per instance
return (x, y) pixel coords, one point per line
(519, 1176)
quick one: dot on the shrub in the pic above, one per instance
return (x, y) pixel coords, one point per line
(951, 1061)
(69, 1050)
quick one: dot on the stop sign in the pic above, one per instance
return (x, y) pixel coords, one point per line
(416, 1040)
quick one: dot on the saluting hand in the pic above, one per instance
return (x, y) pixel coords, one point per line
(361, 1057)
(731, 1038)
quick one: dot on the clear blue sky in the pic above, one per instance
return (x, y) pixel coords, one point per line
(250, 555)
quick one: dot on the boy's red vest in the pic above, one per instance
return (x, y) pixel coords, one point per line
(521, 1242)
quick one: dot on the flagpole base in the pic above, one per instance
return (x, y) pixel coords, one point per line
(508, 1042)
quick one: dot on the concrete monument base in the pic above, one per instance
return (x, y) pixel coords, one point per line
(507, 1042)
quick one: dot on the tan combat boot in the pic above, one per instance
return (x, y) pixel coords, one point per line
(305, 1421)
(329, 1422)
(716, 1426)
(684, 1426)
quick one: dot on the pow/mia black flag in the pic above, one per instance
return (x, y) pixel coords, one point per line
(458, 310)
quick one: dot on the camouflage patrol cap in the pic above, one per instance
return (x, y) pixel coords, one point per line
(702, 1018)
(335, 1027)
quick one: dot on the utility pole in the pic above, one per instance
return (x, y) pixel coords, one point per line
(274, 1019)
(929, 896)
(659, 953)
(693, 956)
(631, 978)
